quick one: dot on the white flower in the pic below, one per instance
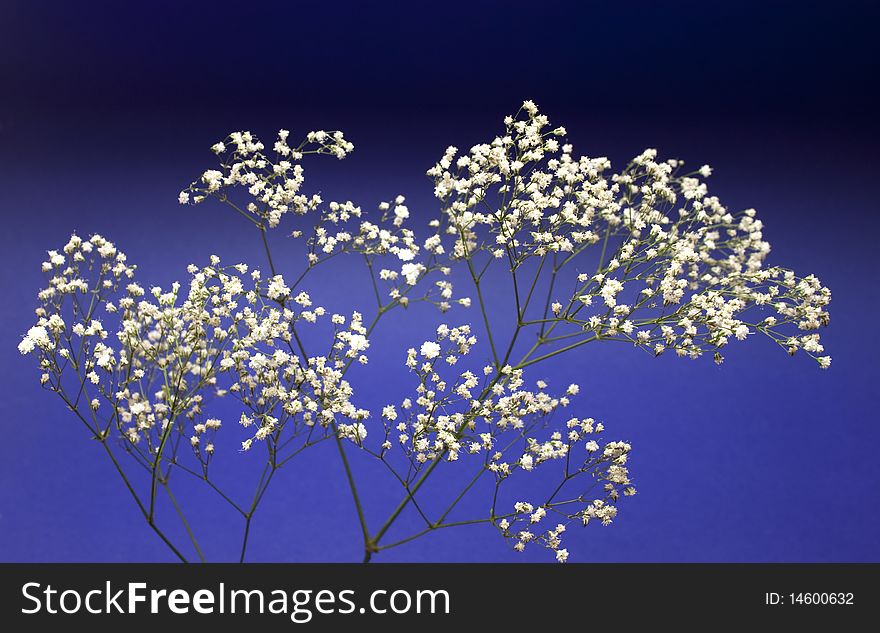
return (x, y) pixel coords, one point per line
(389, 412)
(430, 349)
(561, 555)
(27, 345)
(277, 290)
(357, 433)
(36, 336)
(411, 272)
(358, 342)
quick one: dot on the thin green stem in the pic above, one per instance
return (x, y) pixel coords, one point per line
(461, 494)
(244, 539)
(483, 311)
(190, 533)
(525, 363)
(266, 247)
(140, 505)
(102, 438)
(354, 494)
(430, 529)
(405, 501)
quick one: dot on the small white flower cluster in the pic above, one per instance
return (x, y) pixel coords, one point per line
(274, 189)
(83, 272)
(602, 467)
(174, 345)
(273, 183)
(423, 432)
(497, 421)
(677, 269)
(388, 240)
(38, 336)
(279, 386)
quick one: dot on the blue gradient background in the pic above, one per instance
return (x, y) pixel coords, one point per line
(108, 109)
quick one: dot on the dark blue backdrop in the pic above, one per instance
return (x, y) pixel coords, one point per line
(107, 111)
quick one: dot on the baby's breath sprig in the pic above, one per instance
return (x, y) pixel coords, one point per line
(645, 256)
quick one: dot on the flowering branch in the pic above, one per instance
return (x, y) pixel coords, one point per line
(645, 257)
